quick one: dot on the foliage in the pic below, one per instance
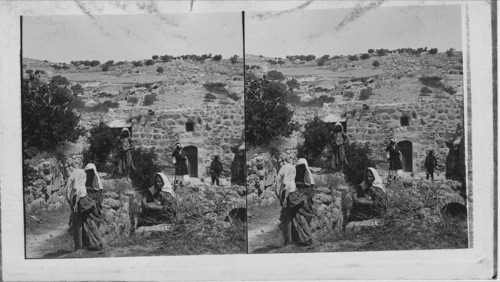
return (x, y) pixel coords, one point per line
(353, 57)
(318, 102)
(275, 75)
(59, 80)
(431, 81)
(146, 164)
(266, 113)
(293, 84)
(209, 97)
(450, 52)
(376, 64)
(449, 90)
(348, 95)
(216, 87)
(217, 58)
(48, 116)
(316, 137)
(322, 60)
(149, 99)
(133, 100)
(371, 51)
(425, 91)
(382, 52)
(105, 106)
(77, 89)
(433, 51)
(364, 94)
(358, 156)
(94, 63)
(155, 57)
(365, 56)
(306, 58)
(234, 59)
(29, 71)
(166, 58)
(159, 70)
(137, 64)
(105, 68)
(149, 62)
(233, 96)
(102, 141)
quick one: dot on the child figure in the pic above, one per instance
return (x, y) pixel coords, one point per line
(215, 170)
(125, 145)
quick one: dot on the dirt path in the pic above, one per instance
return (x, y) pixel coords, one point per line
(40, 246)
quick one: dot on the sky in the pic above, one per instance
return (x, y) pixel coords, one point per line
(130, 37)
(320, 32)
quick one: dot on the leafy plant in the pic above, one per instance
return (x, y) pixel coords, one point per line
(149, 99)
(102, 141)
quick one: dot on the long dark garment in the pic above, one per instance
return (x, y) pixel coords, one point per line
(430, 163)
(125, 161)
(180, 162)
(339, 158)
(86, 221)
(300, 214)
(154, 217)
(394, 158)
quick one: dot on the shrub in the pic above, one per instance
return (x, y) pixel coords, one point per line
(358, 156)
(102, 142)
(251, 76)
(149, 62)
(105, 106)
(382, 52)
(146, 166)
(371, 51)
(433, 51)
(59, 80)
(266, 113)
(159, 70)
(353, 57)
(109, 63)
(234, 59)
(425, 91)
(165, 58)
(209, 97)
(233, 96)
(376, 64)
(431, 81)
(132, 100)
(275, 75)
(137, 64)
(48, 116)
(105, 68)
(77, 89)
(293, 84)
(364, 94)
(321, 61)
(217, 58)
(365, 56)
(216, 87)
(450, 52)
(149, 99)
(449, 90)
(316, 137)
(349, 95)
(29, 71)
(155, 57)
(310, 58)
(318, 102)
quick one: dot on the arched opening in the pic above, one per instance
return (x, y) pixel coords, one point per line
(237, 214)
(192, 156)
(454, 210)
(406, 148)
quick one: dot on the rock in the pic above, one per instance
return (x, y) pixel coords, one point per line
(355, 226)
(148, 230)
(112, 203)
(324, 190)
(113, 195)
(323, 198)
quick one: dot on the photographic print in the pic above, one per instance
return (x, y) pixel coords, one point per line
(355, 130)
(132, 131)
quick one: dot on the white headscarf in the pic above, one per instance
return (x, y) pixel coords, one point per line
(377, 182)
(76, 185)
(96, 182)
(308, 179)
(167, 187)
(125, 129)
(338, 124)
(285, 181)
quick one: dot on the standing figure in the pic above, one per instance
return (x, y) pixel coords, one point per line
(125, 145)
(159, 204)
(285, 183)
(394, 158)
(369, 198)
(338, 140)
(181, 165)
(215, 170)
(87, 210)
(430, 163)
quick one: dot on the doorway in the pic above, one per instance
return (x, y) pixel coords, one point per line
(192, 156)
(406, 148)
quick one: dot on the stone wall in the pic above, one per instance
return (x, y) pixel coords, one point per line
(431, 123)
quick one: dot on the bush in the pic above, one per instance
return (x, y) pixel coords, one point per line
(137, 64)
(433, 51)
(149, 62)
(449, 90)
(425, 91)
(293, 84)
(166, 58)
(146, 166)
(155, 57)
(105, 106)
(59, 80)
(105, 68)
(318, 102)
(376, 64)
(133, 100)
(382, 52)
(29, 71)
(159, 70)
(94, 63)
(149, 99)
(431, 81)
(353, 57)
(48, 116)
(216, 87)
(209, 97)
(217, 58)
(321, 61)
(364, 94)
(348, 94)
(77, 89)
(275, 75)
(233, 96)
(266, 113)
(316, 136)
(450, 52)
(365, 56)
(358, 156)
(234, 59)
(102, 142)
(371, 51)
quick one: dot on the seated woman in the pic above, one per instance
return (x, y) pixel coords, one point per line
(159, 204)
(369, 198)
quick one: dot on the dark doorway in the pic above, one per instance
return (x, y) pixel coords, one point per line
(192, 156)
(190, 126)
(405, 120)
(406, 148)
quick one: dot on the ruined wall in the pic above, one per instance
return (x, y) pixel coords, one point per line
(217, 128)
(431, 123)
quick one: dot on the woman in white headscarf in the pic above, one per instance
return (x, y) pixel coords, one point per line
(87, 209)
(159, 204)
(285, 184)
(369, 198)
(125, 145)
(338, 141)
